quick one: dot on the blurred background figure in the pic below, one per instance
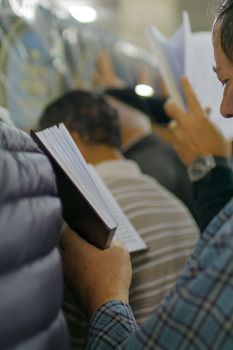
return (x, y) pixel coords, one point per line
(138, 115)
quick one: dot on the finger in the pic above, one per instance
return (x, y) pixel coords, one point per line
(144, 77)
(70, 238)
(190, 95)
(95, 76)
(208, 110)
(172, 125)
(163, 88)
(104, 63)
(116, 243)
(174, 111)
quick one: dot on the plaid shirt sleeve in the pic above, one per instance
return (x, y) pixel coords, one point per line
(196, 314)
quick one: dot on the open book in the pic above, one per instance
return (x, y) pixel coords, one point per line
(86, 207)
(190, 54)
(125, 231)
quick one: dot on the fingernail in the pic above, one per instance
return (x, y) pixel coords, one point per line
(172, 125)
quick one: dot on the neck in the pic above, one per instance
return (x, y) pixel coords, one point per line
(131, 137)
(95, 154)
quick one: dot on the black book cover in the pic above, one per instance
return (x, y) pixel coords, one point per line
(77, 211)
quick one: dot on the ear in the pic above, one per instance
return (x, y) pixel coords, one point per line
(82, 146)
(75, 137)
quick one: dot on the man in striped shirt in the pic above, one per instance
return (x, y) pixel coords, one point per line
(163, 222)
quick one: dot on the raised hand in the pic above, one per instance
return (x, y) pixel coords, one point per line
(193, 133)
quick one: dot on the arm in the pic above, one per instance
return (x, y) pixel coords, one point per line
(99, 280)
(193, 133)
(194, 315)
(194, 136)
(212, 193)
(96, 276)
(110, 326)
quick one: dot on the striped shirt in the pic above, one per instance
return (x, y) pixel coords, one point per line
(165, 225)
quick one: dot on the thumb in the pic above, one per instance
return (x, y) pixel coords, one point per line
(95, 78)
(70, 238)
(174, 110)
(104, 63)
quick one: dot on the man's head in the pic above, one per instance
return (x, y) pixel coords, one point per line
(223, 52)
(87, 114)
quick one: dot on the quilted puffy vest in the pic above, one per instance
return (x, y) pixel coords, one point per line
(30, 268)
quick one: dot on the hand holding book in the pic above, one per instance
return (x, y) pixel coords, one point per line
(84, 204)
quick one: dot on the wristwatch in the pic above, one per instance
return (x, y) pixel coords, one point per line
(202, 165)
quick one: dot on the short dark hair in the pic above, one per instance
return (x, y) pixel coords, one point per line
(224, 17)
(89, 114)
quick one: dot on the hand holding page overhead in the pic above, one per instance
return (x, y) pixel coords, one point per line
(199, 70)
(170, 54)
(84, 208)
(190, 54)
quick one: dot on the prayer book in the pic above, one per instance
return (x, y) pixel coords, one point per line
(125, 232)
(190, 54)
(86, 207)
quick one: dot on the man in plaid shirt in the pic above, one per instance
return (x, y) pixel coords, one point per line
(198, 312)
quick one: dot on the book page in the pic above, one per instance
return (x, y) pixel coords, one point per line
(190, 54)
(170, 54)
(199, 70)
(125, 232)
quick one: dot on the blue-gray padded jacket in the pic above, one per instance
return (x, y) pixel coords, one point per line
(30, 271)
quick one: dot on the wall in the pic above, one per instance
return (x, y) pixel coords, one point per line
(133, 15)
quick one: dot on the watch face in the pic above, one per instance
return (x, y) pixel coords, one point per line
(200, 167)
